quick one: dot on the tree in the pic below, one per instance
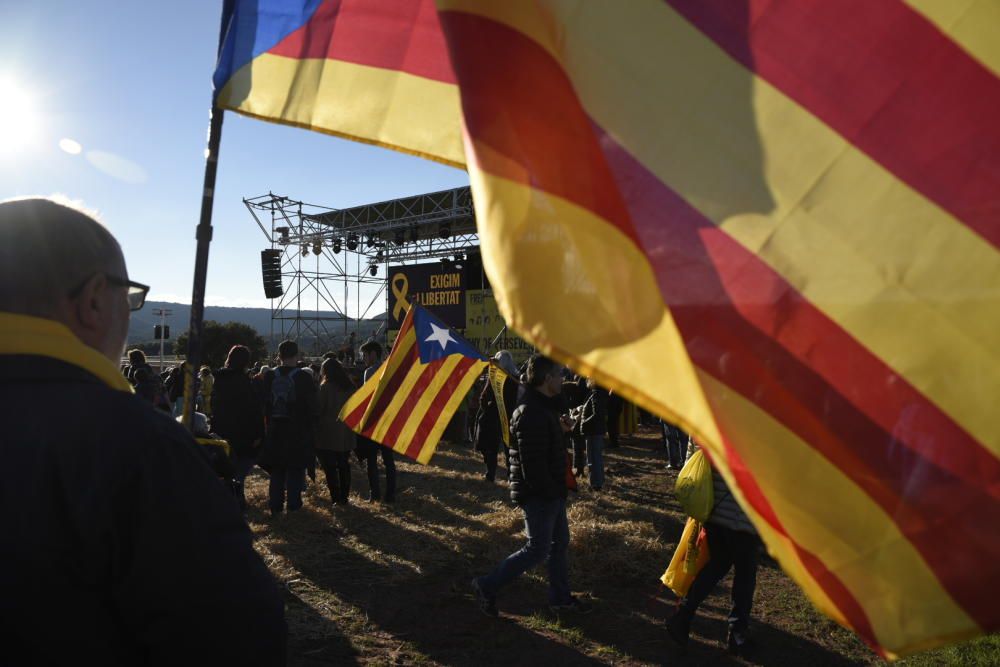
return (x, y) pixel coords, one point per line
(218, 338)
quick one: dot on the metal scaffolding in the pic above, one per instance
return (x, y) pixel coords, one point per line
(329, 255)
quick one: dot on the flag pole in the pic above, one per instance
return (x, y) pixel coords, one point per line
(203, 234)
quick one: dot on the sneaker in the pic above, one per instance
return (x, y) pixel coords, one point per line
(575, 604)
(738, 642)
(487, 603)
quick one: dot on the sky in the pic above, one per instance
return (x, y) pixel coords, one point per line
(129, 85)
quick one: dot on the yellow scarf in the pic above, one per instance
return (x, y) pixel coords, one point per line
(22, 334)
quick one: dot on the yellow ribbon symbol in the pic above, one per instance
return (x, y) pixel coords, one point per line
(400, 285)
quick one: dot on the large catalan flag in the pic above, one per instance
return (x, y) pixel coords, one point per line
(409, 402)
(775, 222)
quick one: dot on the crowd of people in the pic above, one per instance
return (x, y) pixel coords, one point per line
(96, 487)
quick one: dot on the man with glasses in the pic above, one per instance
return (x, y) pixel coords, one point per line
(108, 507)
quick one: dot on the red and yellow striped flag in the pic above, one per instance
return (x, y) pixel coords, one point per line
(407, 405)
(775, 223)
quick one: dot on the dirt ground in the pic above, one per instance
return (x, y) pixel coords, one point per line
(377, 584)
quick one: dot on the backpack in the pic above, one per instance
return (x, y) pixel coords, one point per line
(283, 394)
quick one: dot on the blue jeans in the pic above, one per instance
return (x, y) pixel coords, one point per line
(595, 460)
(547, 530)
(292, 480)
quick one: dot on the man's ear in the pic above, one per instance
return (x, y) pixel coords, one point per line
(88, 309)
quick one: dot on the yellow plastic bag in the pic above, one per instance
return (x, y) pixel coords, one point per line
(694, 487)
(689, 557)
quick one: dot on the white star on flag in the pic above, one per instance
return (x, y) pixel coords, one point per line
(440, 335)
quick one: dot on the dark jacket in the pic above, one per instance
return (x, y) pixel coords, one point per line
(726, 511)
(537, 449)
(237, 412)
(289, 442)
(119, 544)
(488, 425)
(595, 413)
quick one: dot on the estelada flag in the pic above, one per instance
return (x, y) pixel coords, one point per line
(408, 404)
(774, 223)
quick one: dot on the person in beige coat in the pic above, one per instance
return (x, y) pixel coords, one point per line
(334, 440)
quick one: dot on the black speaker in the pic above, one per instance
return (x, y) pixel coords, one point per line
(163, 332)
(270, 269)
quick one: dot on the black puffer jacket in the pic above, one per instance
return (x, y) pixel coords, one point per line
(110, 508)
(595, 413)
(537, 450)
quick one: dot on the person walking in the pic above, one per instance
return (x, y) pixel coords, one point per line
(538, 486)
(288, 447)
(205, 385)
(238, 414)
(334, 440)
(369, 450)
(732, 544)
(119, 546)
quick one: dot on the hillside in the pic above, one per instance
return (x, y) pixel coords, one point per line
(141, 326)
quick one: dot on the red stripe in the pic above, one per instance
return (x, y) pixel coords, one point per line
(835, 589)
(354, 418)
(436, 407)
(697, 265)
(500, 69)
(403, 36)
(746, 326)
(887, 80)
(391, 384)
(412, 399)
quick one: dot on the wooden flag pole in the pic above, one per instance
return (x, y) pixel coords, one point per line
(204, 236)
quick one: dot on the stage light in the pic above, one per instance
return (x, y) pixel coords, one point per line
(373, 269)
(444, 231)
(317, 248)
(283, 231)
(379, 255)
(400, 237)
(336, 246)
(370, 242)
(352, 242)
(305, 250)
(445, 263)
(414, 234)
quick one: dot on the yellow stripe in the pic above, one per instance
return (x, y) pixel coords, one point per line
(607, 320)
(23, 334)
(834, 519)
(370, 104)
(972, 24)
(457, 396)
(908, 281)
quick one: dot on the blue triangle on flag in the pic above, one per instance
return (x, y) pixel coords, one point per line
(436, 341)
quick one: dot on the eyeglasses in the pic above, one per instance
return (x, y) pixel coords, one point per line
(136, 291)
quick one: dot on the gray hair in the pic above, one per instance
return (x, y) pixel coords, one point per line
(47, 249)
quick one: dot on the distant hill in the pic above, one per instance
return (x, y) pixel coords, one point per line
(141, 326)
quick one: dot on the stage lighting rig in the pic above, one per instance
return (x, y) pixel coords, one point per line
(336, 246)
(444, 231)
(373, 269)
(352, 242)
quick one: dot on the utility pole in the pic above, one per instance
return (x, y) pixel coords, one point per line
(162, 313)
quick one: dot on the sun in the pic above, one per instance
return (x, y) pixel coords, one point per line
(18, 118)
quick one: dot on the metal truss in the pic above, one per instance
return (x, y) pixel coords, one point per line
(330, 254)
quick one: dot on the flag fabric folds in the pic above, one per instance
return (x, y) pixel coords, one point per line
(371, 70)
(775, 223)
(407, 405)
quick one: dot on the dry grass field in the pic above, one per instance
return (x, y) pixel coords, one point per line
(375, 584)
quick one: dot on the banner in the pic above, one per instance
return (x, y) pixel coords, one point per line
(439, 289)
